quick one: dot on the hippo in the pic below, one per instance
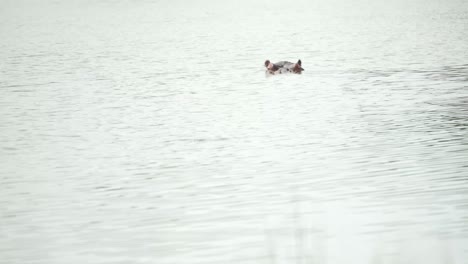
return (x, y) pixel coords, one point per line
(283, 67)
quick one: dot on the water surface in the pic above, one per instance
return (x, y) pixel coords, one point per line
(147, 132)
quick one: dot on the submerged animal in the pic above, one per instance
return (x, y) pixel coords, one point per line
(283, 67)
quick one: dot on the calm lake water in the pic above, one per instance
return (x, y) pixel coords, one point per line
(147, 132)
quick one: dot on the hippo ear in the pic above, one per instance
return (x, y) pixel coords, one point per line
(299, 62)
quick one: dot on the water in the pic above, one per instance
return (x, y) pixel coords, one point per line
(147, 132)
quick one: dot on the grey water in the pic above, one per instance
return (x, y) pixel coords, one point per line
(147, 132)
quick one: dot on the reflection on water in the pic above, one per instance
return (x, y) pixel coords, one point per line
(147, 132)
